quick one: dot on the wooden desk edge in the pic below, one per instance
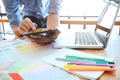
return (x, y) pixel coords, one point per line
(4, 20)
(82, 22)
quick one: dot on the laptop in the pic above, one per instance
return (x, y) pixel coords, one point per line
(97, 39)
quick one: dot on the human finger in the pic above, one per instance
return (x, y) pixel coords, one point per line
(30, 24)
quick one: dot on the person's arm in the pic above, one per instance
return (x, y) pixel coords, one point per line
(18, 25)
(13, 13)
(54, 11)
(52, 21)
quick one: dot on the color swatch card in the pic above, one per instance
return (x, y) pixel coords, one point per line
(20, 60)
(19, 48)
(24, 70)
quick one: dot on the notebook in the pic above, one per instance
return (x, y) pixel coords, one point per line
(97, 39)
(61, 53)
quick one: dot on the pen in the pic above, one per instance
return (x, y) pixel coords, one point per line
(88, 68)
(82, 66)
(69, 57)
(80, 60)
(93, 69)
(63, 59)
(90, 63)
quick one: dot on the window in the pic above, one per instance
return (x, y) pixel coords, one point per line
(82, 7)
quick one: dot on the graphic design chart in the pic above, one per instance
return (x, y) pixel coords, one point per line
(14, 66)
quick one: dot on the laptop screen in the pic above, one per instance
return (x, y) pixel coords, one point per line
(109, 16)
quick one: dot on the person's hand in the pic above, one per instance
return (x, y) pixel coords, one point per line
(26, 25)
(15, 30)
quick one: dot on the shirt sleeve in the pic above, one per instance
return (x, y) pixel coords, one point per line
(55, 6)
(12, 10)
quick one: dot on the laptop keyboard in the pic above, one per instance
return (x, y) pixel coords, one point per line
(84, 38)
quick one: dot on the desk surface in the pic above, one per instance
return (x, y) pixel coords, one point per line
(112, 50)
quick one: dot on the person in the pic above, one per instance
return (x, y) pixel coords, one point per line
(35, 13)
